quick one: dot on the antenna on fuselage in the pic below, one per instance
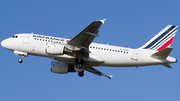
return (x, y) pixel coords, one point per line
(31, 32)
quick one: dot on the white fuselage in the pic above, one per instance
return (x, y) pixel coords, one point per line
(100, 54)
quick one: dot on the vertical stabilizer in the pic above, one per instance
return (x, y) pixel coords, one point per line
(162, 40)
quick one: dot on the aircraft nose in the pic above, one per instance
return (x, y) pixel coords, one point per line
(4, 43)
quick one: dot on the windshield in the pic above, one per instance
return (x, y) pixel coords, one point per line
(15, 36)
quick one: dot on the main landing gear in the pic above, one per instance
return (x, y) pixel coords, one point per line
(81, 74)
(79, 67)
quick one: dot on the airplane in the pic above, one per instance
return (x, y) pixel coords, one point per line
(80, 53)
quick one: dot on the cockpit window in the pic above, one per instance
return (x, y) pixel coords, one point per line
(15, 36)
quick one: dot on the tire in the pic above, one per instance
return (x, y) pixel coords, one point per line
(81, 74)
(20, 60)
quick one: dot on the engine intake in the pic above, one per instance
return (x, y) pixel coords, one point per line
(61, 68)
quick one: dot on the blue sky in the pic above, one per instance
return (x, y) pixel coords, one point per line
(130, 23)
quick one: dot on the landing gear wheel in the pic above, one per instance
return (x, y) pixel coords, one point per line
(81, 74)
(79, 65)
(20, 60)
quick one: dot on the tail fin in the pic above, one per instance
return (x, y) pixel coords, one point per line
(162, 40)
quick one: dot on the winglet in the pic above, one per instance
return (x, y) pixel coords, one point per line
(108, 76)
(103, 20)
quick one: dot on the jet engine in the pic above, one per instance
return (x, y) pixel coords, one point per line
(61, 68)
(57, 49)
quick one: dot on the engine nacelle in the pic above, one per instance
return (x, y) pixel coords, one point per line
(57, 49)
(61, 68)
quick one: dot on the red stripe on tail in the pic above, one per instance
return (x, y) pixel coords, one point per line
(166, 44)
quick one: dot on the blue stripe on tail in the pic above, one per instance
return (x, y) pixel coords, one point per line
(162, 35)
(165, 38)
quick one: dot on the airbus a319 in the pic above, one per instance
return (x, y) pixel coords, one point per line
(79, 53)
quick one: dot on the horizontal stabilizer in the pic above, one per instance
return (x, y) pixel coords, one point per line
(163, 54)
(167, 65)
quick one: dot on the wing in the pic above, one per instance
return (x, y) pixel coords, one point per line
(95, 71)
(86, 36)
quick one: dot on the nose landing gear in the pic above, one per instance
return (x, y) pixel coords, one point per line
(23, 54)
(20, 60)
